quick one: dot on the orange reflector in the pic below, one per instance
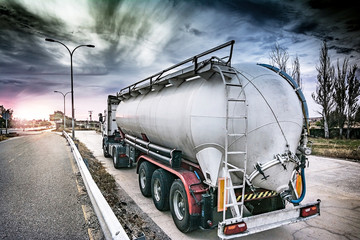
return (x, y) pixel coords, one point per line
(309, 211)
(221, 192)
(235, 228)
(298, 184)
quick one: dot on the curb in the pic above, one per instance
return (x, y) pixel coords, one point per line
(109, 223)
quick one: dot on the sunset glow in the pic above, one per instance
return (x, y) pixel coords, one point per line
(31, 111)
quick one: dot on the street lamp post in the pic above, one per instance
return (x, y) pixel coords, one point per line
(64, 95)
(72, 85)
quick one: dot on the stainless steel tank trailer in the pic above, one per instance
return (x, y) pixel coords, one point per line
(219, 145)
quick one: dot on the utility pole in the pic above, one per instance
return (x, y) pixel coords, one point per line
(90, 115)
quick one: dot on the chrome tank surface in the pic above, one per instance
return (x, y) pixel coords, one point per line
(192, 118)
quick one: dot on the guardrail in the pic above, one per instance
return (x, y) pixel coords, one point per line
(109, 223)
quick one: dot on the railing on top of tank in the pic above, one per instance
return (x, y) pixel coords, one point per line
(194, 59)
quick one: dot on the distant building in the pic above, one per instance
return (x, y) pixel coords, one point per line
(58, 118)
(85, 124)
(315, 119)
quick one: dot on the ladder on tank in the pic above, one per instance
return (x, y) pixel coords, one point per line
(235, 99)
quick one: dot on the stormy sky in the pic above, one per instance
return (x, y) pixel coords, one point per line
(134, 39)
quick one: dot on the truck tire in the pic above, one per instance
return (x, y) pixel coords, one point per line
(179, 207)
(146, 170)
(105, 151)
(161, 181)
(115, 158)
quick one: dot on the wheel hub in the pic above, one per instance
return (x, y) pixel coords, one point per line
(157, 190)
(142, 178)
(179, 205)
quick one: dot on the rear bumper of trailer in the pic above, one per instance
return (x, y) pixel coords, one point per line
(270, 220)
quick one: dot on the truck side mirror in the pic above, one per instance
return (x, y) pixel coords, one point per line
(101, 117)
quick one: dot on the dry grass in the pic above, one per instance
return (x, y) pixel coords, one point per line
(133, 220)
(337, 148)
(3, 137)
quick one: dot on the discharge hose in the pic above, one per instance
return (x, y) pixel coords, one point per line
(297, 201)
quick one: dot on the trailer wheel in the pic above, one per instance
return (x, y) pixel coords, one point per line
(160, 188)
(179, 206)
(146, 170)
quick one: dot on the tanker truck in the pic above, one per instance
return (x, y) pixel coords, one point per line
(219, 145)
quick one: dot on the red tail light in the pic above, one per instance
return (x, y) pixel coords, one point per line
(309, 211)
(122, 155)
(235, 228)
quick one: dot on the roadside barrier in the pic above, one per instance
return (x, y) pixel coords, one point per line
(109, 223)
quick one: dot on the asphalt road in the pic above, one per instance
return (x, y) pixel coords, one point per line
(334, 181)
(38, 191)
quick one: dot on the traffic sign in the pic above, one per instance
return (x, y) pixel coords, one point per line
(6, 115)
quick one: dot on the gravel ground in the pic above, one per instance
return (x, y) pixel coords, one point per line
(92, 222)
(134, 221)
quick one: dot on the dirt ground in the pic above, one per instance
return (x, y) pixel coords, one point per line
(134, 221)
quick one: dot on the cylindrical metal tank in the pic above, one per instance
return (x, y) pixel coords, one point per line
(192, 118)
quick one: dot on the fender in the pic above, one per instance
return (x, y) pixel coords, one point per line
(193, 185)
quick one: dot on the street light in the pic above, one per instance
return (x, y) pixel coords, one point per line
(64, 95)
(72, 85)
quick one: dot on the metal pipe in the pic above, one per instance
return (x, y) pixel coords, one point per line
(160, 157)
(151, 146)
(169, 156)
(161, 149)
(139, 147)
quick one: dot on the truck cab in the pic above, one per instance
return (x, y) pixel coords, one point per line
(113, 145)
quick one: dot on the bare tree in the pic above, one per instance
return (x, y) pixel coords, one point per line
(353, 94)
(325, 86)
(296, 71)
(340, 94)
(279, 56)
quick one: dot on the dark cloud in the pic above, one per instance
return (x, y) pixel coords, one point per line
(261, 13)
(305, 27)
(342, 50)
(189, 29)
(128, 26)
(20, 32)
(16, 17)
(336, 22)
(13, 87)
(353, 25)
(22, 42)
